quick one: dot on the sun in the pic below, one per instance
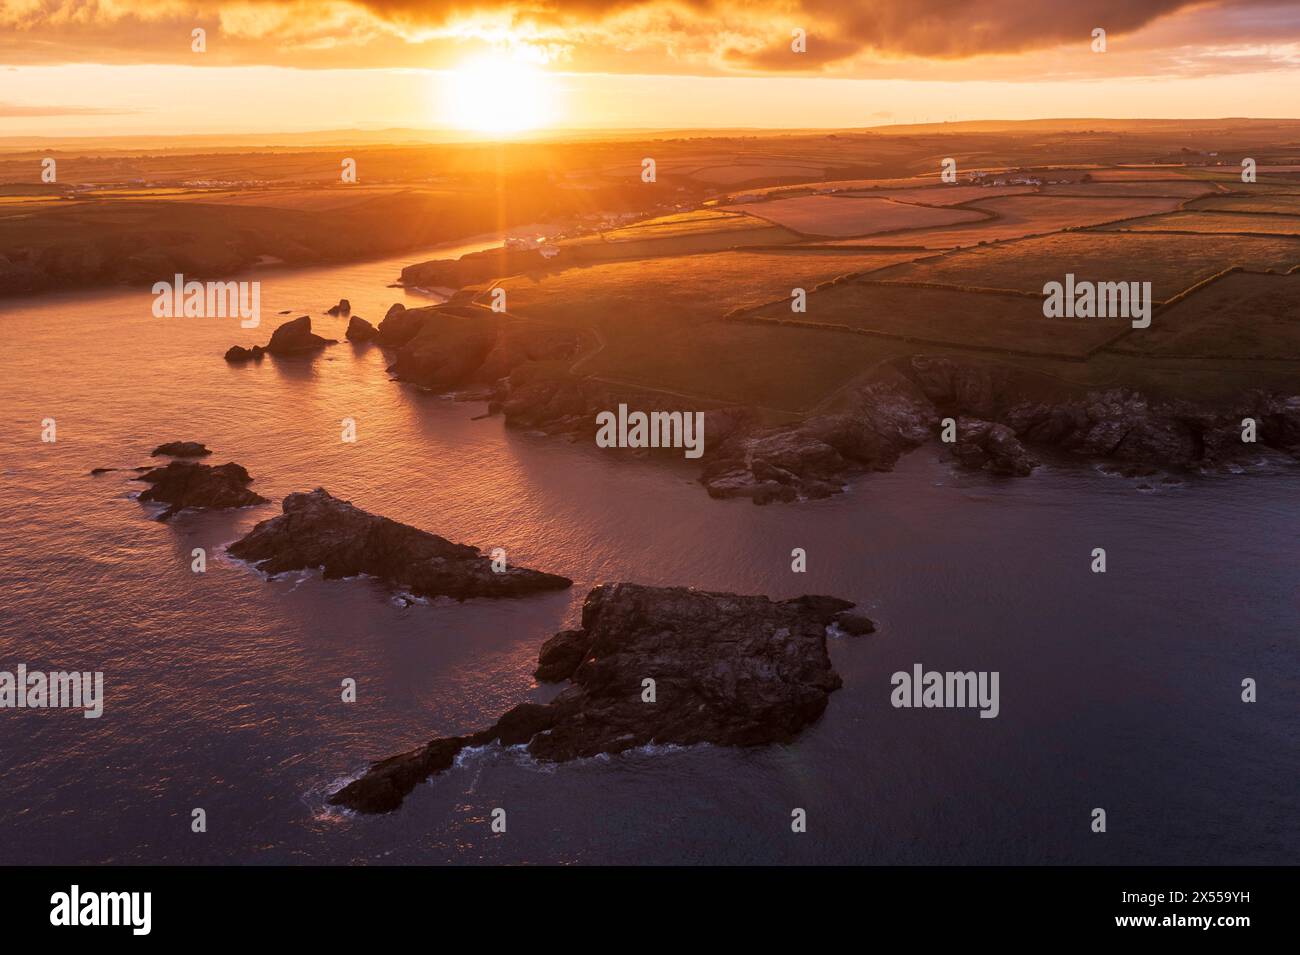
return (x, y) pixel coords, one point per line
(499, 94)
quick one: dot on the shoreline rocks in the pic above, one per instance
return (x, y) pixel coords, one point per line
(238, 353)
(728, 670)
(983, 445)
(447, 347)
(472, 268)
(318, 530)
(814, 458)
(181, 449)
(360, 330)
(187, 484)
(1000, 412)
(292, 338)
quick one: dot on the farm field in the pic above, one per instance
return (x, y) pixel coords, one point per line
(832, 216)
(1267, 203)
(840, 186)
(679, 290)
(1240, 316)
(944, 195)
(775, 368)
(1171, 263)
(680, 224)
(724, 175)
(1169, 187)
(1147, 173)
(1208, 221)
(975, 320)
(685, 290)
(1020, 216)
(324, 199)
(674, 240)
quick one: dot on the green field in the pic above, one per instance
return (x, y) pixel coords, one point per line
(1171, 263)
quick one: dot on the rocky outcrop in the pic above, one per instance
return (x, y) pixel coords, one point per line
(400, 325)
(854, 624)
(344, 307)
(95, 472)
(1127, 426)
(182, 449)
(360, 330)
(727, 670)
(186, 484)
(472, 268)
(445, 347)
(238, 353)
(1116, 424)
(1112, 425)
(814, 458)
(977, 390)
(292, 338)
(1001, 413)
(983, 445)
(296, 336)
(553, 403)
(317, 530)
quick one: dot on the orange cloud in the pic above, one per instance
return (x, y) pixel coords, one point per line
(863, 38)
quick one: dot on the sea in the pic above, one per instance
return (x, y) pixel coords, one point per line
(224, 691)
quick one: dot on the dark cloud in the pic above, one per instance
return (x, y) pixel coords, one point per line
(952, 29)
(670, 36)
(935, 28)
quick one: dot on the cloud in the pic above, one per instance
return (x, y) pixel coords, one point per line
(845, 37)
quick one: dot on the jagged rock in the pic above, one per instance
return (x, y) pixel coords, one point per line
(855, 624)
(559, 404)
(1128, 426)
(728, 670)
(344, 307)
(992, 447)
(237, 353)
(815, 457)
(296, 336)
(1279, 422)
(293, 337)
(182, 449)
(400, 325)
(560, 656)
(183, 484)
(360, 330)
(317, 530)
(443, 348)
(978, 390)
(471, 268)
(1116, 424)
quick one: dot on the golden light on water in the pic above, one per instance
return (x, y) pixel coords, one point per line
(499, 94)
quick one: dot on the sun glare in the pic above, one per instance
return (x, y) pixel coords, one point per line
(499, 94)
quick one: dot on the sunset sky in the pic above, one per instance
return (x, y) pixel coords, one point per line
(119, 67)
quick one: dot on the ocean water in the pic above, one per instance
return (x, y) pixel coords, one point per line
(223, 690)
